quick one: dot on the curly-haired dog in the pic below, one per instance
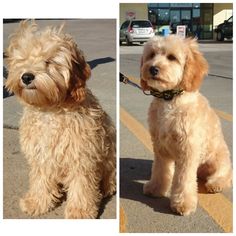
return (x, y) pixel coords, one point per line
(185, 131)
(67, 138)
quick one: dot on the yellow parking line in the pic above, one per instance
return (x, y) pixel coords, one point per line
(123, 220)
(219, 208)
(221, 114)
(216, 205)
(136, 128)
(224, 115)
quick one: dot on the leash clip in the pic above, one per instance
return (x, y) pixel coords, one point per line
(148, 94)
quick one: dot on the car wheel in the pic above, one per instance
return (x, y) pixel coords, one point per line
(128, 42)
(220, 36)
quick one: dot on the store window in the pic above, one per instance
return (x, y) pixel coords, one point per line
(159, 5)
(196, 23)
(163, 16)
(196, 13)
(186, 15)
(178, 5)
(175, 16)
(162, 5)
(198, 17)
(152, 16)
(150, 5)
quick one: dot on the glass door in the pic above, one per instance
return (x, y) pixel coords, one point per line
(207, 26)
(174, 20)
(186, 19)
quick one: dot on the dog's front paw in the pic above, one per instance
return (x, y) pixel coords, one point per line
(32, 206)
(154, 190)
(184, 206)
(213, 188)
(78, 213)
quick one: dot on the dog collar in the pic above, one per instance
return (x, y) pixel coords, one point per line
(167, 95)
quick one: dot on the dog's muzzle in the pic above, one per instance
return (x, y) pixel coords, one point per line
(27, 78)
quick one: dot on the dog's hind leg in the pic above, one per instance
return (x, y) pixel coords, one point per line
(219, 167)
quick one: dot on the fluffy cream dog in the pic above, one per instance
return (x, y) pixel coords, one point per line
(185, 131)
(66, 136)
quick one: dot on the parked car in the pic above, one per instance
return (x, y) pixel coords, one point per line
(225, 30)
(136, 31)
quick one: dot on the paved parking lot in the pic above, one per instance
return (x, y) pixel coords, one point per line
(145, 214)
(99, 46)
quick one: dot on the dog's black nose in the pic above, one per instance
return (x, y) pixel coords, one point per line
(154, 70)
(27, 78)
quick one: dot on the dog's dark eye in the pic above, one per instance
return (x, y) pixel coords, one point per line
(171, 57)
(152, 55)
(47, 62)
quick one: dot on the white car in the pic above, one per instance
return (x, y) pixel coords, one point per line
(136, 31)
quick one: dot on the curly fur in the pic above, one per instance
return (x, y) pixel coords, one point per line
(66, 136)
(186, 132)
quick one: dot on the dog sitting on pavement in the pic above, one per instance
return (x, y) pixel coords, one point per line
(186, 133)
(66, 136)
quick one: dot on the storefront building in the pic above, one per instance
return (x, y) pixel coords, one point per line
(199, 18)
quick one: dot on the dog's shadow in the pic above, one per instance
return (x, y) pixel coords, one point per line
(133, 174)
(94, 63)
(103, 205)
(5, 91)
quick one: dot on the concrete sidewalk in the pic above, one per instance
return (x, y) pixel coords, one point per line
(99, 46)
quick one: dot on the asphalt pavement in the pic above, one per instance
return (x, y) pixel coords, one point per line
(145, 214)
(99, 46)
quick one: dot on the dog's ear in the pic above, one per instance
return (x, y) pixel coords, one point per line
(80, 73)
(196, 67)
(143, 83)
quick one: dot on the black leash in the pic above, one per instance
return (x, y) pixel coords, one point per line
(167, 95)
(126, 80)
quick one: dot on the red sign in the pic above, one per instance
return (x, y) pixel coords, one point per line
(181, 30)
(130, 15)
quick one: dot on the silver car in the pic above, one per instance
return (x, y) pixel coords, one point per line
(136, 31)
